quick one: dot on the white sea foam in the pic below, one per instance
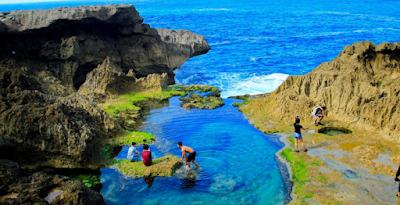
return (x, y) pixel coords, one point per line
(232, 84)
(219, 43)
(253, 85)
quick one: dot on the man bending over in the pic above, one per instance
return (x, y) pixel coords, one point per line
(192, 155)
(317, 113)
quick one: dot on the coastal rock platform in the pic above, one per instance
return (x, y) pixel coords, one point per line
(164, 166)
(360, 90)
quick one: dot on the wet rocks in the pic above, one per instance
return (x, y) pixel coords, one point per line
(19, 185)
(199, 102)
(209, 98)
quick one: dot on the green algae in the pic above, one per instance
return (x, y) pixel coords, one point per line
(196, 101)
(246, 100)
(164, 166)
(134, 136)
(90, 180)
(202, 88)
(127, 101)
(299, 166)
(300, 191)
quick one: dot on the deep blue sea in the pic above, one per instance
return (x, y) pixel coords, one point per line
(255, 44)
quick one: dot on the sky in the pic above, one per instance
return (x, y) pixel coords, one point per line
(24, 1)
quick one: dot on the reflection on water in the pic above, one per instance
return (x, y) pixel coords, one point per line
(149, 181)
(237, 160)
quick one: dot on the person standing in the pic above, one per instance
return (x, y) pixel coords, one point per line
(317, 113)
(297, 134)
(191, 157)
(397, 180)
(132, 153)
(146, 155)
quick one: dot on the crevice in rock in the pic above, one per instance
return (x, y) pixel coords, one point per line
(80, 73)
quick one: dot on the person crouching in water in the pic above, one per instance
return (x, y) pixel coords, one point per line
(192, 155)
(297, 134)
(146, 155)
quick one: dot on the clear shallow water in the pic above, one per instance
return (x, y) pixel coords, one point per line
(257, 44)
(237, 161)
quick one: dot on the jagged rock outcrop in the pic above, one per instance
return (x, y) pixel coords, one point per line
(55, 64)
(82, 37)
(63, 132)
(19, 185)
(107, 81)
(360, 86)
(189, 43)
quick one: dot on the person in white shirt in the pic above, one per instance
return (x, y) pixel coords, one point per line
(133, 154)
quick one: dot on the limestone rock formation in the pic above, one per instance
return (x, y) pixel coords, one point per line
(360, 86)
(82, 37)
(108, 80)
(19, 185)
(190, 43)
(56, 64)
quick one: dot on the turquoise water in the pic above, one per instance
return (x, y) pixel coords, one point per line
(237, 161)
(255, 46)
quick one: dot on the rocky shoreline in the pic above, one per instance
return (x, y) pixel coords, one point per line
(348, 168)
(57, 67)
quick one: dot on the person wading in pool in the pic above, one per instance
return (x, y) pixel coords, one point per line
(317, 113)
(297, 134)
(191, 157)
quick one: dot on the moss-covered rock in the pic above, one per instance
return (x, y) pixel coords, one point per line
(164, 166)
(138, 137)
(210, 100)
(196, 101)
(201, 88)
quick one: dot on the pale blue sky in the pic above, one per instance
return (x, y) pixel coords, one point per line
(24, 1)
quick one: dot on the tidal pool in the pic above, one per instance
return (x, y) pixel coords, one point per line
(237, 160)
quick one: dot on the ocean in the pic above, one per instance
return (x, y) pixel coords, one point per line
(256, 45)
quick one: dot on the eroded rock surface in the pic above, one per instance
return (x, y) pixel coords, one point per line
(19, 185)
(360, 86)
(56, 64)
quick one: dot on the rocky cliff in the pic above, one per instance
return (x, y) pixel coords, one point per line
(360, 87)
(56, 64)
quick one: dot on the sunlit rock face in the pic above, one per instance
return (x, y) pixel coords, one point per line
(360, 86)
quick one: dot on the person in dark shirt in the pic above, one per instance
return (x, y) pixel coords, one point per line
(397, 180)
(297, 134)
(146, 155)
